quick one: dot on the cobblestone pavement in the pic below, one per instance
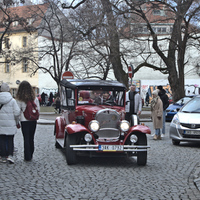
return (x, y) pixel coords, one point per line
(169, 173)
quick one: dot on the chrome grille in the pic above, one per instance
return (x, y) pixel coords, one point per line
(192, 126)
(109, 123)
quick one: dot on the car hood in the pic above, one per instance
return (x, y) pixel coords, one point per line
(173, 106)
(189, 118)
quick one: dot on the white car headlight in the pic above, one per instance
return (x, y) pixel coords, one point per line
(88, 137)
(133, 138)
(94, 126)
(175, 120)
(124, 125)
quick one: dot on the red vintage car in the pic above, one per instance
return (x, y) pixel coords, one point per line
(93, 122)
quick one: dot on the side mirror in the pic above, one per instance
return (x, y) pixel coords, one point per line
(69, 94)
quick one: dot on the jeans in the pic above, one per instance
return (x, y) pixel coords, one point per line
(157, 132)
(164, 119)
(6, 145)
(28, 131)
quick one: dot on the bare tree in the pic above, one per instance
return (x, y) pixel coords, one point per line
(6, 19)
(57, 42)
(183, 15)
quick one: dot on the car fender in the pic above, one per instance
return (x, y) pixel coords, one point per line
(76, 128)
(139, 128)
(60, 124)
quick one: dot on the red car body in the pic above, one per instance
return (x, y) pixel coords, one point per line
(93, 122)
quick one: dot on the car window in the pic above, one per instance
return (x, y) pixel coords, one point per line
(101, 97)
(183, 100)
(192, 106)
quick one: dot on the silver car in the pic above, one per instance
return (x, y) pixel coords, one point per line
(185, 125)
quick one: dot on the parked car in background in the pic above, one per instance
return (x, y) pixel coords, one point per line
(170, 100)
(175, 107)
(185, 125)
(93, 122)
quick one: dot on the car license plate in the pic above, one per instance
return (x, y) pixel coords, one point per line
(111, 148)
(192, 132)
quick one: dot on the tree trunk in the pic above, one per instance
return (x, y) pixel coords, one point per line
(119, 73)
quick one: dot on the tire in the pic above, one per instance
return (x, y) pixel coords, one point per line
(57, 145)
(175, 142)
(142, 155)
(70, 153)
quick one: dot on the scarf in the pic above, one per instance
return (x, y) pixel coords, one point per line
(153, 102)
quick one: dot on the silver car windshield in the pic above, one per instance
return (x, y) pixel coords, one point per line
(192, 106)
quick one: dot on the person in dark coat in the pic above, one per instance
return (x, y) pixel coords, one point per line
(50, 98)
(43, 98)
(165, 100)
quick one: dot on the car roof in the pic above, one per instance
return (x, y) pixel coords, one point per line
(91, 83)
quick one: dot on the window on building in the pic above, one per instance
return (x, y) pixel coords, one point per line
(30, 21)
(164, 30)
(156, 12)
(7, 67)
(7, 43)
(24, 41)
(15, 23)
(25, 65)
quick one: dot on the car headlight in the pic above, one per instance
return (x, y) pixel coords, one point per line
(94, 126)
(124, 125)
(133, 138)
(88, 137)
(175, 120)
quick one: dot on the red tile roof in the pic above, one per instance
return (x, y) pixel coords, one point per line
(22, 13)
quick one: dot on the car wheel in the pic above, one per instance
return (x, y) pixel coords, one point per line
(175, 142)
(142, 155)
(70, 153)
(57, 145)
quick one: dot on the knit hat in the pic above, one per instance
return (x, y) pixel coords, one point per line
(155, 92)
(5, 87)
(160, 87)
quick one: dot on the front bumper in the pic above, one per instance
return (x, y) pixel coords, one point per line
(113, 148)
(178, 133)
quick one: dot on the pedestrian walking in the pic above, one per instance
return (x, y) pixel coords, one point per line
(9, 118)
(165, 100)
(157, 114)
(133, 103)
(57, 108)
(26, 93)
(147, 99)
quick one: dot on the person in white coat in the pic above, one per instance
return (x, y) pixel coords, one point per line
(9, 118)
(26, 93)
(133, 103)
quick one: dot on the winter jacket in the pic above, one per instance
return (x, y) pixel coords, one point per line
(9, 114)
(165, 99)
(22, 106)
(137, 102)
(157, 114)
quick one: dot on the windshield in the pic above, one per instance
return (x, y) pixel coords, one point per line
(183, 100)
(101, 97)
(193, 106)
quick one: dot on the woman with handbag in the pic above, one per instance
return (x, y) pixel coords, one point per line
(25, 94)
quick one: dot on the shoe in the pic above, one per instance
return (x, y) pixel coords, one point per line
(159, 138)
(10, 160)
(152, 134)
(162, 135)
(3, 159)
(155, 137)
